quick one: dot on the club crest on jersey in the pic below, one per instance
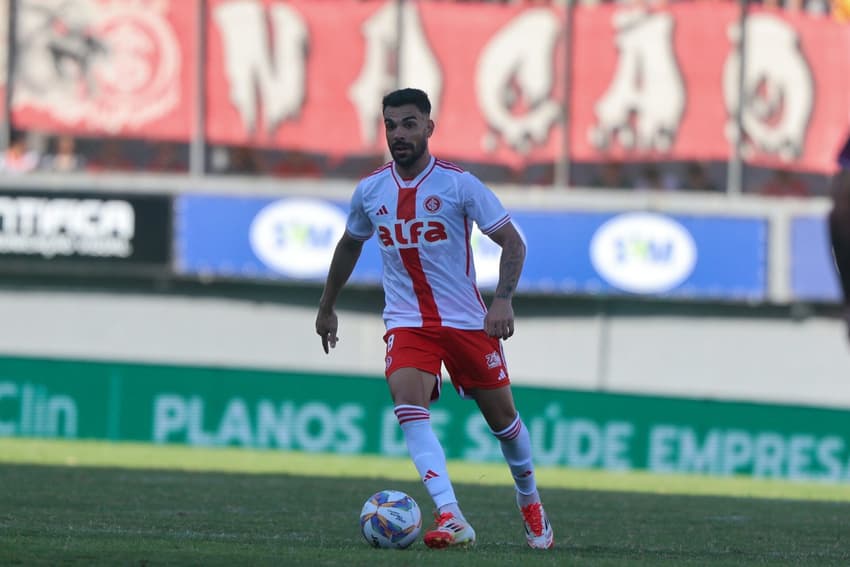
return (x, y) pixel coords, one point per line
(412, 233)
(432, 204)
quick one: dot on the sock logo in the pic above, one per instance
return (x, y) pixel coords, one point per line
(526, 474)
(429, 475)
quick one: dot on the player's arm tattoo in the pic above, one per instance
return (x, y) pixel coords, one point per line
(510, 267)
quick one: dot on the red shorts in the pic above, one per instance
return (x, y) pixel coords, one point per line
(472, 358)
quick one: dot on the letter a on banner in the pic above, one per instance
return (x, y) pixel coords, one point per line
(647, 83)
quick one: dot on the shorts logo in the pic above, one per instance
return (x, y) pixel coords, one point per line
(502, 374)
(432, 204)
(389, 362)
(493, 359)
(390, 341)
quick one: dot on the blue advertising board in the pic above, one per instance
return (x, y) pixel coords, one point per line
(813, 273)
(711, 257)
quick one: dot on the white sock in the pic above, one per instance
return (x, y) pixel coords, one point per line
(428, 456)
(516, 448)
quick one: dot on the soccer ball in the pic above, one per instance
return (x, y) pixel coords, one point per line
(390, 519)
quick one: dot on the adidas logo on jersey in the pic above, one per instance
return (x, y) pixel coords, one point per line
(382, 211)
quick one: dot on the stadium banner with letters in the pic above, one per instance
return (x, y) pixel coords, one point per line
(645, 84)
(657, 84)
(63, 232)
(628, 253)
(290, 411)
(814, 276)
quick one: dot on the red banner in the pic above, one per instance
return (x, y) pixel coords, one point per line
(280, 73)
(330, 101)
(644, 84)
(309, 75)
(106, 67)
(650, 84)
(664, 84)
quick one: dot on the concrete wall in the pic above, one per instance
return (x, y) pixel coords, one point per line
(759, 358)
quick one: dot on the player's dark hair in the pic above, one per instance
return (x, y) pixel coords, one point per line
(416, 97)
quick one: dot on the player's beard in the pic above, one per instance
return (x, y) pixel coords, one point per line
(414, 152)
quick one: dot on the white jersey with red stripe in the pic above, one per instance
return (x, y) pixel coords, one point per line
(423, 227)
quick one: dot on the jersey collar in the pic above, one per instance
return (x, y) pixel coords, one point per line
(411, 183)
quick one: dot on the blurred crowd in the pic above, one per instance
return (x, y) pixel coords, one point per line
(33, 152)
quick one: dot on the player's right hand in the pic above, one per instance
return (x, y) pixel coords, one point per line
(326, 327)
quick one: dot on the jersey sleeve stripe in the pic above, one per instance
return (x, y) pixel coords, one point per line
(360, 237)
(497, 225)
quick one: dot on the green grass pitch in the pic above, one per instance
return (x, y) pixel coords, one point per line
(88, 503)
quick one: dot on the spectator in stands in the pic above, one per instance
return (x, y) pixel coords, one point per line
(784, 183)
(245, 160)
(110, 157)
(63, 156)
(168, 158)
(839, 226)
(611, 175)
(296, 163)
(841, 10)
(696, 178)
(651, 178)
(18, 158)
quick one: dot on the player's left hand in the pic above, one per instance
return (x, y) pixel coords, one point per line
(499, 321)
(326, 327)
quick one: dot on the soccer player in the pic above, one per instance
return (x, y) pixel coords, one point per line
(422, 209)
(839, 225)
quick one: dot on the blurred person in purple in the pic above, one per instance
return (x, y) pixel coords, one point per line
(839, 226)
